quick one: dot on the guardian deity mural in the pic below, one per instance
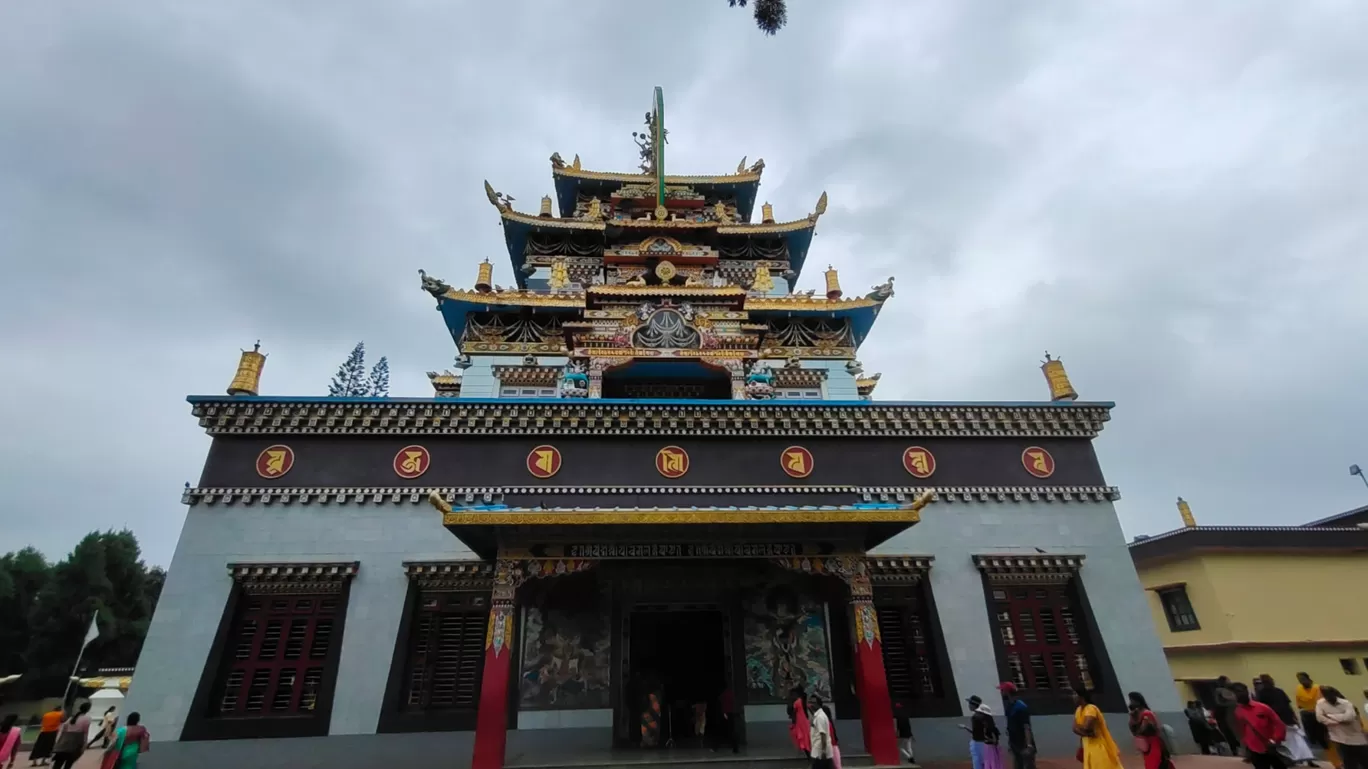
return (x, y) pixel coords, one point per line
(786, 643)
(565, 659)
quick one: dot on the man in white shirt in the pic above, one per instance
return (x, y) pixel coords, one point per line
(1341, 719)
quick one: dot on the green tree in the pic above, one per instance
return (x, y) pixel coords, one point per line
(23, 575)
(770, 15)
(379, 379)
(104, 574)
(350, 379)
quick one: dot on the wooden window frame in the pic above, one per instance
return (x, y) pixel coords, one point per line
(1179, 621)
(466, 583)
(1059, 576)
(267, 584)
(915, 606)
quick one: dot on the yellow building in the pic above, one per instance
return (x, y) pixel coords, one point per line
(1243, 601)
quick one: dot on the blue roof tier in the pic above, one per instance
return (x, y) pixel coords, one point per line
(571, 181)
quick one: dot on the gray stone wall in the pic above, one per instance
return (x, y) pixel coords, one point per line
(955, 532)
(197, 586)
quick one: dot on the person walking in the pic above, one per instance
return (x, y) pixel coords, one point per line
(1146, 731)
(1097, 749)
(1224, 709)
(1269, 694)
(1020, 739)
(1197, 724)
(1306, 696)
(982, 730)
(1342, 722)
(1261, 731)
(130, 741)
(822, 747)
(71, 738)
(108, 722)
(800, 727)
(904, 725)
(47, 737)
(9, 740)
(726, 708)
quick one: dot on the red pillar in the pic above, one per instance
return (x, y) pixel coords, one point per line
(871, 684)
(491, 720)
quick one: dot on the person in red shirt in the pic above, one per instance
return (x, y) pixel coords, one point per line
(1261, 730)
(726, 706)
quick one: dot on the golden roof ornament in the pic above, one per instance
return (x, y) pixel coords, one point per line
(820, 209)
(560, 275)
(720, 211)
(545, 206)
(741, 167)
(595, 209)
(660, 213)
(666, 270)
(763, 283)
(833, 281)
(247, 380)
(499, 200)
(575, 164)
(1186, 512)
(767, 214)
(1058, 379)
(484, 280)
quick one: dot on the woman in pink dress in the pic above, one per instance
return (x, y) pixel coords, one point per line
(9, 740)
(800, 728)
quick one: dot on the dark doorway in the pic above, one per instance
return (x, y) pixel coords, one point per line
(680, 656)
(682, 380)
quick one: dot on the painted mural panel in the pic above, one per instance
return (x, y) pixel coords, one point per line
(566, 659)
(786, 643)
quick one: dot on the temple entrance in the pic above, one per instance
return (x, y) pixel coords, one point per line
(679, 659)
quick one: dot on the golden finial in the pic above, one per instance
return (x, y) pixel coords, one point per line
(484, 280)
(1186, 512)
(720, 211)
(767, 214)
(660, 213)
(247, 381)
(1060, 389)
(499, 200)
(833, 284)
(560, 276)
(763, 283)
(546, 206)
(595, 209)
(575, 164)
(821, 205)
(741, 167)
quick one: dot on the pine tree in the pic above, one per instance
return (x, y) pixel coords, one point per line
(770, 15)
(350, 379)
(379, 379)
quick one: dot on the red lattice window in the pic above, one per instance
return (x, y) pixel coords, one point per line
(446, 652)
(1041, 631)
(277, 650)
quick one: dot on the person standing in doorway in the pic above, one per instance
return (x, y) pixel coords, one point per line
(1341, 721)
(726, 708)
(1197, 724)
(1261, 731)
(1020, 739)
(1269, 694)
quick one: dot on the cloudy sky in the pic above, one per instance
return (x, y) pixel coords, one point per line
(1170, 195)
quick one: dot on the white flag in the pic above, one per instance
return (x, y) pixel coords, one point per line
(93, 632)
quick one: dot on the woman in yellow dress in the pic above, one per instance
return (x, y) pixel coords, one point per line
(1098, 749)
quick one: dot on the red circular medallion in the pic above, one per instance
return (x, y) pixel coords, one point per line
(672, 461)
(275, 461)
(796, 461)
(544, 461)
(1038, 462)
(411, 462)
(919, 462)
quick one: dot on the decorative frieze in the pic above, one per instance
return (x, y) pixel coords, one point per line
(898, 569)
(293, 577)
(445, 416)
(451, 575)
(1032, 568)
(495, 494)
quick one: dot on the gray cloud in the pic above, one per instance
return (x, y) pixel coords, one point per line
(1169, 196)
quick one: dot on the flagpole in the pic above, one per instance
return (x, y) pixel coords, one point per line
(92, 633)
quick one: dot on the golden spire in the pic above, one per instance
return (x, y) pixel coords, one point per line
(560, 276)
(833, 284)
(763, 283)
(767, 214)
(247, 381)
(546, 206)
(484, 281)
(1186, 511)
(1060, 389)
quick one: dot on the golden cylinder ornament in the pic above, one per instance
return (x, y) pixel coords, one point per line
(546, 206)
(484, 282)
(767, 213)
(1058, 379)
(833, 284)
(247, 381)
(1185, 511)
